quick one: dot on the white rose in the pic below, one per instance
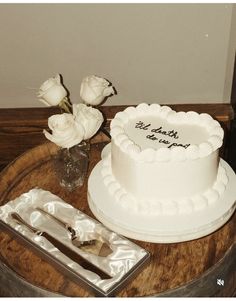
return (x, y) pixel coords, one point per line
(65, 131)
(94, 89)
(90, 118)
(52, 91)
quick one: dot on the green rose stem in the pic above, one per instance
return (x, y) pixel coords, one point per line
(65, 105)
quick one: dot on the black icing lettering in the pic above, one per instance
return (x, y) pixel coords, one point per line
(152, 137)
(172, 133)
(179, 144)
(164, 141)
(157, 130)
(142, 126)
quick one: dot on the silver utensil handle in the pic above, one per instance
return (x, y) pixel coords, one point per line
(18, 218)
(63, 224)
(52, 216)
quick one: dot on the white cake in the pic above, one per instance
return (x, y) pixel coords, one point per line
(162, 179)
(164, 162)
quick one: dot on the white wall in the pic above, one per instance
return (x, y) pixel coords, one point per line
(166, 53)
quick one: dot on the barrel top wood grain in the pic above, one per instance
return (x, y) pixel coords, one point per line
(180, 269)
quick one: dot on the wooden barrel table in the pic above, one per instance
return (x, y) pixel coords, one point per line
(202, 267)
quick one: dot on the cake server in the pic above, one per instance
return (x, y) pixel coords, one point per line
(63, 248)
(101, 247)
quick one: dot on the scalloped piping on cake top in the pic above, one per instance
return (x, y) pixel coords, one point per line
(193, 152)
(158, 206)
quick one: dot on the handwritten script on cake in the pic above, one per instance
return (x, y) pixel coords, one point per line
(164, 133)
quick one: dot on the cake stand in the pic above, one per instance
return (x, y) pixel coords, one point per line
(159, 229)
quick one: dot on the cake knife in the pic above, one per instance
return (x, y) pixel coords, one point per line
(63, 248)
(101, 247)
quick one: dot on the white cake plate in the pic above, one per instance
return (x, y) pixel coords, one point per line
(159, 229)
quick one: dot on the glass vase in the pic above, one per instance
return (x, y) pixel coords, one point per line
(71, 165)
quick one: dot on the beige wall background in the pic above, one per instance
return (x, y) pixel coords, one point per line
(166, 53)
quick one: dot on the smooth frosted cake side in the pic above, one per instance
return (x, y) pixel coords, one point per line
(164, 162)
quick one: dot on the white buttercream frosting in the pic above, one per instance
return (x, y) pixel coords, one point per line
(158, 206)
(174, 135)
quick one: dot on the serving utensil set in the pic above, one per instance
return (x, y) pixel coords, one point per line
(88, 246)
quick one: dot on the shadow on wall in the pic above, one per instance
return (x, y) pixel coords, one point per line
(231, 158)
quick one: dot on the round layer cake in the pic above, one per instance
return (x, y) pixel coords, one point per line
(162, 179)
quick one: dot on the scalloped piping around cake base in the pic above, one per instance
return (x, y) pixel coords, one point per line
(157, 207)
(160, 228)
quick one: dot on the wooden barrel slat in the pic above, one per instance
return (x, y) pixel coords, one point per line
(182, 269)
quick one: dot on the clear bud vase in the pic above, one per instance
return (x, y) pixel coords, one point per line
(71, 165)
